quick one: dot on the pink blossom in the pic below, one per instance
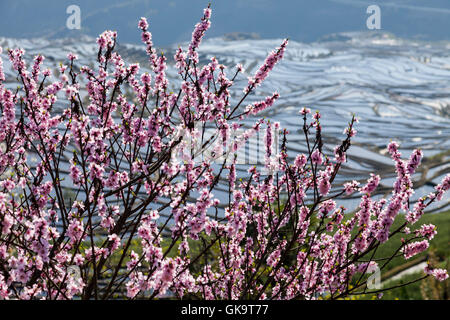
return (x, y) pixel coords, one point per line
(71, 56)
(439, 274)
(136, 180)
(304, 111)
(199, 32)
(350, 187)
(262, 105)
(300, 161)
(316, 157)
(272, 59)
(427, 230)
(324, 185)
(414, 160)
(143, 24)
(371, 185)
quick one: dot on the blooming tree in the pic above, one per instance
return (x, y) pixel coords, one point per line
(144, 221)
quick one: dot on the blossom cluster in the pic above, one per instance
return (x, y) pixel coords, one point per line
(117, 194)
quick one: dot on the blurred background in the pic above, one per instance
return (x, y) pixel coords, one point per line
(172, 20)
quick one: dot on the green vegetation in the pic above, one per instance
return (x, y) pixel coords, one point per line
(440, 245)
